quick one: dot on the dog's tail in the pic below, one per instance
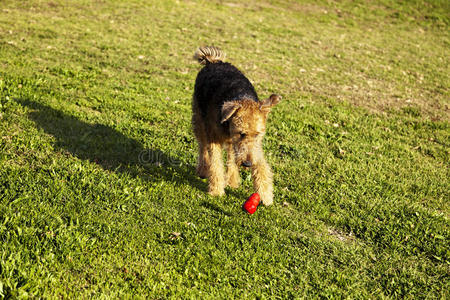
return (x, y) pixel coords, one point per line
(208, 55)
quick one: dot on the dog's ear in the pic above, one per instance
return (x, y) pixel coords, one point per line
(228, 109)
(267, 104)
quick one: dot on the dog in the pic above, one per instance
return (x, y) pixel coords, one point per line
(226, 112)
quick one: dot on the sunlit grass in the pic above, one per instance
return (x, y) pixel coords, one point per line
(98, 194)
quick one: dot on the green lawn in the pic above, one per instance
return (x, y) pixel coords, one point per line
(98, 192)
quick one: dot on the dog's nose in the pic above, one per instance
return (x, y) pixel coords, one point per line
(247, 163)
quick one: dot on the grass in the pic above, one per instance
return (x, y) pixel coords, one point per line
(98, 194)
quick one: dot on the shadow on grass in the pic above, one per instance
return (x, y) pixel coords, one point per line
(109, 148)
(216, 208)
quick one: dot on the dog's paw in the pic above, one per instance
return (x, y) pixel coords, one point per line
(202, 175)
(233, 184)
(266, 198)
(233, 181)
(216, 192)
(202, 172)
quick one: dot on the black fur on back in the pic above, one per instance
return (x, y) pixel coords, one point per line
(218, 83)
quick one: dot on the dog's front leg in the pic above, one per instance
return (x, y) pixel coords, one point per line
(262, 180)
(216, 170)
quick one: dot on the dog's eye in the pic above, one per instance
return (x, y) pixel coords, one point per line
(243, 135)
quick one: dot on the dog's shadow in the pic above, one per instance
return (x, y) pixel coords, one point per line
(109, 148)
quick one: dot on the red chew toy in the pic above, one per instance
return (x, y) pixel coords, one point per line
(252, 203)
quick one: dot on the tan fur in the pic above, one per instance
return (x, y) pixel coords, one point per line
(262, 179)
(209, 53)
(244, 117)
(216, 171)
(233, 179)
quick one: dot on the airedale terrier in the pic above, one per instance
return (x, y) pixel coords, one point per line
(227, 112)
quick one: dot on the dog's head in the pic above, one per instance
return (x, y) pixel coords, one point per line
(247, 125)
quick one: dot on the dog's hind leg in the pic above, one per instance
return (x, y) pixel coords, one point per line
(233, 178)
(216, 171)
(203, 160)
